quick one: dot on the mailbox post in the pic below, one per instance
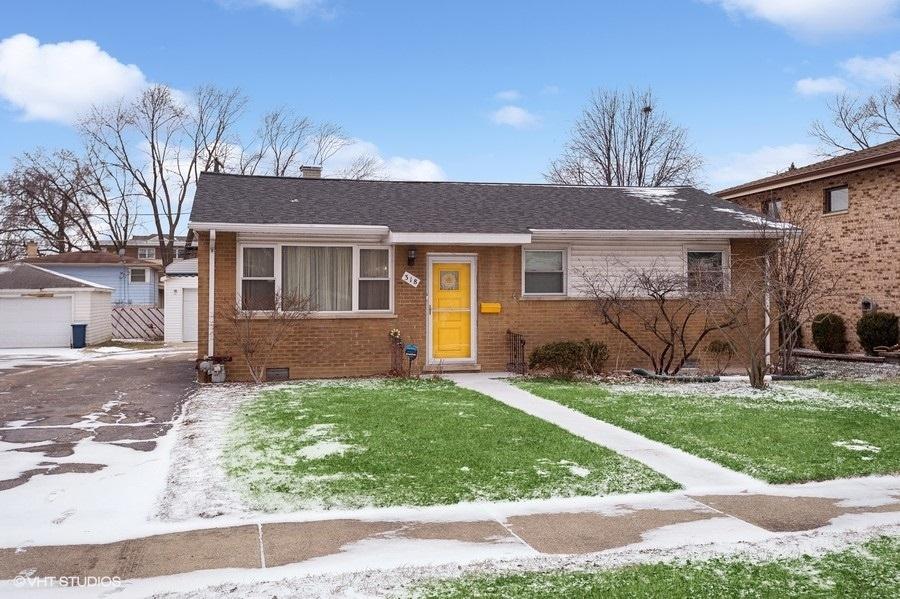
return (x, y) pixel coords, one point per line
(411, 352)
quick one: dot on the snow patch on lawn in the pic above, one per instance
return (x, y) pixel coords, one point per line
(323, 449)
(775, 394)
(857, 445)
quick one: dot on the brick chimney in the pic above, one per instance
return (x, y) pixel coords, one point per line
(311, 172)
(31, 249)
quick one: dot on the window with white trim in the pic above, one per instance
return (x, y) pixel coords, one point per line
(544, 272)
(137, 275)
(329, 279)
(705, 271)
(258, 278)
(147, 253)
(374, 282)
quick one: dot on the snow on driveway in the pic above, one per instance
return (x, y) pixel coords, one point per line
(49, 356)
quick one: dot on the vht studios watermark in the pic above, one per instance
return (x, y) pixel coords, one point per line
(66, 581)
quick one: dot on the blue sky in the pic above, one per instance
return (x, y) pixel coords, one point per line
(422, 83)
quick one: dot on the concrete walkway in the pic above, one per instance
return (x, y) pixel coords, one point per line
(691, 472)
(490, 531)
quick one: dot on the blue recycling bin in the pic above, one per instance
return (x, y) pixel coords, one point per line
(79, 335)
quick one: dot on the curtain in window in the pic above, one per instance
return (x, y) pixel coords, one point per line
(323, 274)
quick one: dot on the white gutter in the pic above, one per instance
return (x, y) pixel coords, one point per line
(650, 233)
(294, 229)
(461, 238)
(211, 316)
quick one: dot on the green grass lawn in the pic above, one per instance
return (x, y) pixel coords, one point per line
(790, 433)
(868, 570)
(385, 442)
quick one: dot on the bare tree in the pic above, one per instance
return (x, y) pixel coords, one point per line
(622, 138)
(859, 123)
(46, 197)
(774, 293)
(363, 167)
(283, 143)
(162, 145)
(254, 330)
(662, 312)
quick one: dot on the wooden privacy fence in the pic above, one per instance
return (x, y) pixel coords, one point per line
(137, 322)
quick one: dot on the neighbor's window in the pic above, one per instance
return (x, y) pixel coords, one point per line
(147, 253)
(545, 272)
(837, 199)
(374, 279)
(772, 209)
(179, 253)
(706, 271)
(258, 278)
(137, 275)
(322, 274)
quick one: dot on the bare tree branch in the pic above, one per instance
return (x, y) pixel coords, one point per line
(622, 138)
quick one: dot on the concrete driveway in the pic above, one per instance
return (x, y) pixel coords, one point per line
(128, 402)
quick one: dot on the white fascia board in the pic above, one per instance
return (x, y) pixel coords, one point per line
(564, 234)
(293, 229)
(18, 292)
(71, 278)
(460, 238)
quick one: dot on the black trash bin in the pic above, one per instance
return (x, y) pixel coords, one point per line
(79, 335)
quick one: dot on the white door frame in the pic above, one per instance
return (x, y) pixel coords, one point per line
(441, 258)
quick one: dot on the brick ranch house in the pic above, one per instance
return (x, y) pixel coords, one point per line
(488, 257)
(859, 196)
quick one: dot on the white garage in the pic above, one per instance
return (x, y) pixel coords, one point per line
(38, 307)
(180, 306)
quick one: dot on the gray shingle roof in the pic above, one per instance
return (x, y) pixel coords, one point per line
(20, 275)
(444, 207)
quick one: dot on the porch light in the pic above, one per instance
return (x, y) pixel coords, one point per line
(411, 256)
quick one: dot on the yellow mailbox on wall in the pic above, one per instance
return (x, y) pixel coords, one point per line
(490, 307)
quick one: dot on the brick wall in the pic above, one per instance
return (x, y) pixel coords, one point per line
(360, 346)
(862, 244)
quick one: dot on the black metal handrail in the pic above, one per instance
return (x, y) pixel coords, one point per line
(515, 345)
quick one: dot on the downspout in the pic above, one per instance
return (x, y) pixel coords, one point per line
(211, 316)
(768, 320)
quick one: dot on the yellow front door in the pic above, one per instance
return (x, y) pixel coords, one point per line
(451, 310)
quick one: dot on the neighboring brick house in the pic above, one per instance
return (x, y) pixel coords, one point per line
(488, 257)
(859, 196)
(146, 247)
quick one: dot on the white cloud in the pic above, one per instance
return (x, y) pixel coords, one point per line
(811, 86)
(738, 168)
(508, 95)
(514, 116)
(58, 82)
(550, 90)
(397, 168)
(880, 69)
(300, 8)
(817, 17)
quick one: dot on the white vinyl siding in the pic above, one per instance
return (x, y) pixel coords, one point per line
(617, 257)
(28, 321)
(181, 319)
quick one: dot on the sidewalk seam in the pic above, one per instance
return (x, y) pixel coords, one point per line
(262, 551)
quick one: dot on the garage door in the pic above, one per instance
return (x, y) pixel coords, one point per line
(35, 322)
(189, 315)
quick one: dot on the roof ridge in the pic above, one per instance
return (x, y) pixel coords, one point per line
(413, 181)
